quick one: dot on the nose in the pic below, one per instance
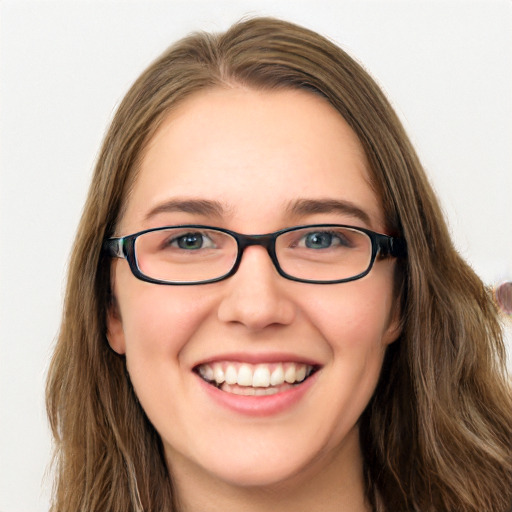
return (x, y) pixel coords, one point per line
(256, 296)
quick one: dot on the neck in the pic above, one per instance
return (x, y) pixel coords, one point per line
(334, 485)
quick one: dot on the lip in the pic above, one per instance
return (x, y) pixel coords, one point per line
(258, 406)
(281, 357)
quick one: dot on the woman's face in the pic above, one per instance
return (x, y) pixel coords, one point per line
(254, 162)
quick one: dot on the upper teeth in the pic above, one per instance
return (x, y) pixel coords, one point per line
(258, 376)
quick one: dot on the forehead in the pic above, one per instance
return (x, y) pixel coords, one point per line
(248, 150)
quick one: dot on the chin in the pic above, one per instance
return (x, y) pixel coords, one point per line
(258, 476)
(252, 466)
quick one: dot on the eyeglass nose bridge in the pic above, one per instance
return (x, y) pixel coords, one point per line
(267, 241)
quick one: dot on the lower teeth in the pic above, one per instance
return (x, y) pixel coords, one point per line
(250, 391)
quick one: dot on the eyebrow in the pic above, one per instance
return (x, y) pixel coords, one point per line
(299, 207)
(195, 206)
(302, 207)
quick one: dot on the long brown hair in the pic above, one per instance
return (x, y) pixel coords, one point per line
(436, 435)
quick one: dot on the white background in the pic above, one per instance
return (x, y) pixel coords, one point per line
(446, 66)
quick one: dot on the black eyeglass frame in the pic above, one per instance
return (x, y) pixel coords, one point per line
(382, 245)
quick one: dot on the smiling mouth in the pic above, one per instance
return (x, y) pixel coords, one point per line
(254, 379)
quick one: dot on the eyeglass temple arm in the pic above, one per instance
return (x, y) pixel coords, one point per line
(392, 246)
(114, 247)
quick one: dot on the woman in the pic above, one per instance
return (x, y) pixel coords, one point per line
(264, 309)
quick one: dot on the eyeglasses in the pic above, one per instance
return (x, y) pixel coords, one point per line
(195, 254)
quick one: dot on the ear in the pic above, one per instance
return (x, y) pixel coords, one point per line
(393, 330)
(394, 327)
(115, 331)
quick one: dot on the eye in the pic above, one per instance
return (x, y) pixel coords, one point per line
(326, 239)
(192, 241)
(318, 240)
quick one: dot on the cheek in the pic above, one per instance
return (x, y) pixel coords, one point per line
(355, 316)
(352, 319)
(158, 321)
